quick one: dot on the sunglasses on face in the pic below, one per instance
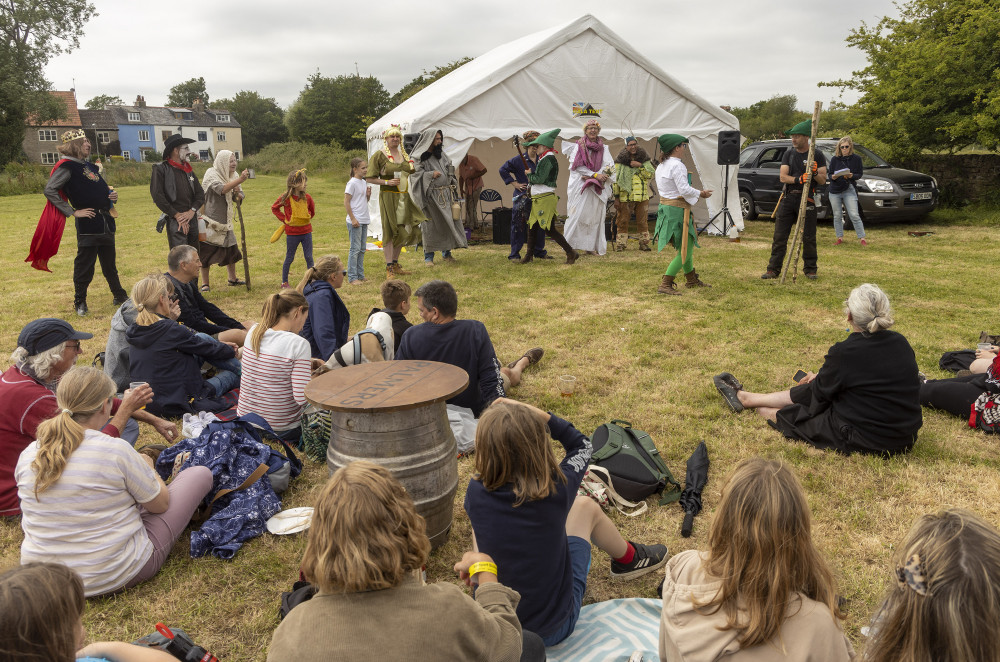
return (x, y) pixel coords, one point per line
(73, 346)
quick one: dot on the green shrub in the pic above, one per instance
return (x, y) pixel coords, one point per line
(283, 158)
(24, 178)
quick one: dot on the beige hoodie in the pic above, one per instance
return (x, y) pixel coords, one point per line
(809, 635)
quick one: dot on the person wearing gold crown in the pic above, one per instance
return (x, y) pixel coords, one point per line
(76, 189)
(388, 168)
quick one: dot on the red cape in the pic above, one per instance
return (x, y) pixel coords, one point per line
(48, 234)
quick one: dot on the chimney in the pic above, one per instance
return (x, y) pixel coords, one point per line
(140, 102)
(198, 106)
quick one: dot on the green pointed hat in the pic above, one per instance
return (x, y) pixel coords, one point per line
(803, 128)
(546, 139)
(668, 141)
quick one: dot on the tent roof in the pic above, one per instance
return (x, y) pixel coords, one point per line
(439, 99)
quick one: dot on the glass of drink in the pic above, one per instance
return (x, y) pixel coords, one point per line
(567, 386)
(134, 385)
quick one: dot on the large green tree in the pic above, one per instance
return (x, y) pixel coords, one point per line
(101, 100)
(183, 95)
(933, 77)
(262, 119)
(769, 118)
(31, 33)
(333, 109)
(425, 79)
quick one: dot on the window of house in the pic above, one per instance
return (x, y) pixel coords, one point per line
(164, 135)
(144, 154)
(126, 155)
(104, 137)
(144, 136)
(221, 136)
(203, 154)
(46, 134)
(203, 136)
(49, 158)
(133, 117)
(222, 118)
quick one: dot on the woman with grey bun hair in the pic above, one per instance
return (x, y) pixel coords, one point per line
(865, 398)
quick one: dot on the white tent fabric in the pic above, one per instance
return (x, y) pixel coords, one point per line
(535, 81)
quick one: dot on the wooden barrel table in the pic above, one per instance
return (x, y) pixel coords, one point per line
(393, 413)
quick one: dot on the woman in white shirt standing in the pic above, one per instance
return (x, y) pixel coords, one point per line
(676, 198)
(277, 365)
(80, 488)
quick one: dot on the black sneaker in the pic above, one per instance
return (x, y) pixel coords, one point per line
(728, 386)
(769, 275)
(118, 301)
(81, 309)
(647, 559)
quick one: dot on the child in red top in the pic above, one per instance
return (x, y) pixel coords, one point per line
(295, 209)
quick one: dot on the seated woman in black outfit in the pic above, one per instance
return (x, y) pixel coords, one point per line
(975, 398)
(865, 397)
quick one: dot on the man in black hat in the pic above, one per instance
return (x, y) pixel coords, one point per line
(46, 349)
(177, 192)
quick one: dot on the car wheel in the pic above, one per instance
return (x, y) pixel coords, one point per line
(747, 206)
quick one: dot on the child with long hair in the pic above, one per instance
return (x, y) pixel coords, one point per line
(92, 501)
(367, 546)
(295, 209)
(943, 603)
(42, 606)
(356, 196)
(526, 514)
(762, 591)
(328, 321)
(277, 365)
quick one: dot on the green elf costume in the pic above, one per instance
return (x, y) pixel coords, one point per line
(674, 224)
(544, 198)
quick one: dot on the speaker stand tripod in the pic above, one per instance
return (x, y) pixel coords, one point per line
(727, 217)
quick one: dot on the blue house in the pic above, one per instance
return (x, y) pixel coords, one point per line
(135, 133)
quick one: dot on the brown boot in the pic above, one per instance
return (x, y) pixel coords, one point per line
(571, 255)
(644, 241)
(529, 245)
(620, 245)
(390, 273)
(398, 269)
(668, 286)
(692, 280)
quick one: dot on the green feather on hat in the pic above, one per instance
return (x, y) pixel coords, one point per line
(547, 139)
(669, 141)
(803, 128)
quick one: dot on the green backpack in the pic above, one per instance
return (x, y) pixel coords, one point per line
(635, 466)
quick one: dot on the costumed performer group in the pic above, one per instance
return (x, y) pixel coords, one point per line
(674, 224)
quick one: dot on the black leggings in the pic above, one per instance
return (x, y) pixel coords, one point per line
(955, 395)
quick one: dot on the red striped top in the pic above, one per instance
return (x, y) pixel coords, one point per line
(273, 382)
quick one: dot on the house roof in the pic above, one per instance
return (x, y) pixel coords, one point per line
(103, 119)
(68, 99)
(161, 116)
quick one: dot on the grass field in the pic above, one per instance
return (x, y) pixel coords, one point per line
(637, 355)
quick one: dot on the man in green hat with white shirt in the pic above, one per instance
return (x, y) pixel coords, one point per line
(793, 174)
(543, 196)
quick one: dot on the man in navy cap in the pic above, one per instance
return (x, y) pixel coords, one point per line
(46, 349)
(177, 192)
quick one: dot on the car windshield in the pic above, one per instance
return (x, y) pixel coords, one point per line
(869, 159)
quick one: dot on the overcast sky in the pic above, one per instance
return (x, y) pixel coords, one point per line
(732, 52)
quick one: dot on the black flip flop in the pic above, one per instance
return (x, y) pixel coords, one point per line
(728, 386)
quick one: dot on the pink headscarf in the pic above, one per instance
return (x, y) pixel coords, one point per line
(590, 154)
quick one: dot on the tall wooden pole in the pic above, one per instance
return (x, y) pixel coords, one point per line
(243, 238)
(793, 254)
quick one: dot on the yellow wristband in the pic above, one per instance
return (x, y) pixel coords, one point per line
(482, 566)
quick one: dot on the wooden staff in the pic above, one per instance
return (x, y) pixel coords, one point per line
(243, 238)
(517, 144)
(684, 229)
(774, 214)
(793, 254)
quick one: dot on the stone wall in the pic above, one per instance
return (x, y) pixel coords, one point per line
(963, 178)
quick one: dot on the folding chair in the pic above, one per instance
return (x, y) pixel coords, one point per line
(488, 195)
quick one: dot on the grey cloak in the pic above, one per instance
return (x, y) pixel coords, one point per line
(434, 197)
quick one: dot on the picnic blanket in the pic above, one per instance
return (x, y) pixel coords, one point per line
(613, 630)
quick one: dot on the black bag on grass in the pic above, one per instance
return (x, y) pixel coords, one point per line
(635, 466)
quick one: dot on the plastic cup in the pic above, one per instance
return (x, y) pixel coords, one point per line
(567, 386)
(134, 385)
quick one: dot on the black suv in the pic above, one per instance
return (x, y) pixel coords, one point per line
(885, 193)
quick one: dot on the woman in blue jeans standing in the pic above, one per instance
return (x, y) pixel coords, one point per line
(844, 189)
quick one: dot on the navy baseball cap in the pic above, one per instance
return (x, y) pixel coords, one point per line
(46, 333)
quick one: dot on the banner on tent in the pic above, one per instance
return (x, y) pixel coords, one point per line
(586, 109)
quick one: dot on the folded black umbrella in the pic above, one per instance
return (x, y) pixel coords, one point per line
(694, 483)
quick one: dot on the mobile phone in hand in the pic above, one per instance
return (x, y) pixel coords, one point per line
(985, 346)
(799, 376)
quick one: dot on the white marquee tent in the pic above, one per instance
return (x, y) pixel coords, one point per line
(536, 81)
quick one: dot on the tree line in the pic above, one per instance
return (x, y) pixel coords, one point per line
(932, 83)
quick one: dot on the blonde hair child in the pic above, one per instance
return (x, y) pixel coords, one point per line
(295, 209)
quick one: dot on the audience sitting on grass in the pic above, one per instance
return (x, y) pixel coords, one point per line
(762, 591)
(116, 352)
(984, 359)
(328, 323)
(183, 266)
(974, 398)
(366, 552)
(277, 365)
(462, 343)
(94, 503)
(47, 349)
(383, 331)
(943, 601)
(526, 514)
(42, 606)
(169, 356)
(865, 398)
